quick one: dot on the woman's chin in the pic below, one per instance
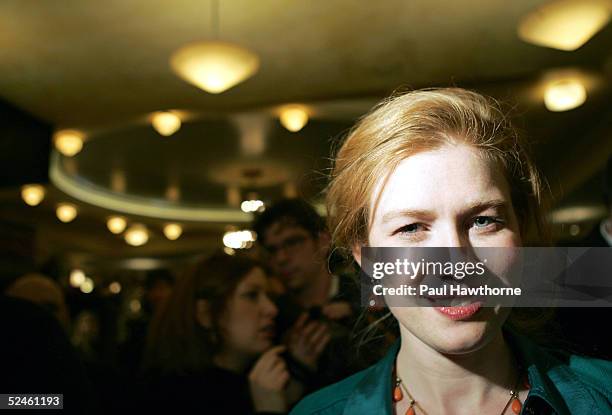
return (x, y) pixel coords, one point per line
(447, 335)
(462, 340)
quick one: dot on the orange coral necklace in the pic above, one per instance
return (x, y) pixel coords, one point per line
(514, 401)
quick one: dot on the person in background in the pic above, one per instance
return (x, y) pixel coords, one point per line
(212, 347)
(319, 305)
(36, 357)
(44, 291)
(159, 284)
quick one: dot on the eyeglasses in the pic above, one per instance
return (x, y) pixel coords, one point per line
(289, 245)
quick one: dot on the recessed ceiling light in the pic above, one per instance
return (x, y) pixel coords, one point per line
(68, 142)
(173, 231)
(116, 224)
(136, 235)
(32, 194)
(564, 95)
(166, 123)
(293, 118)
(66, 212)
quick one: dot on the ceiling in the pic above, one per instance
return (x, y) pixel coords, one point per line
(103, 68)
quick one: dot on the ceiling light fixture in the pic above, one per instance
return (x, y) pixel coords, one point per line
(136, 235)
(116, 224)
(66, 212)
(564, 95)
(87, 286)
(68, 142)
(173, 231)
(239, 239)
(252, 206)
(166, 123)
(114, 287)
(32, 194)
(77, 277)
(565, 24)
(214, 66)
(293, 118)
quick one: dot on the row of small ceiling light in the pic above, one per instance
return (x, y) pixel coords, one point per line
(135, 235)
(138, 234)
(216, 66)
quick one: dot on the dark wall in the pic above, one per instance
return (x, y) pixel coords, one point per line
(25, 143)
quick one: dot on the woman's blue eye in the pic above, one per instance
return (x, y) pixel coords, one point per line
(412, 228)
(484, 221)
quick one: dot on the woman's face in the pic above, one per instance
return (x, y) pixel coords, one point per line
(248, 323)
(449, 197)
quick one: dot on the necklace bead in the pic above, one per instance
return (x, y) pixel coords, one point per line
(516, 406)
(397, 394)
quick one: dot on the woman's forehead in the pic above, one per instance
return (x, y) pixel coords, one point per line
(255, 277)
(451, 177)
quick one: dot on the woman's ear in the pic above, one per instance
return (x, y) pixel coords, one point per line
(202, 313)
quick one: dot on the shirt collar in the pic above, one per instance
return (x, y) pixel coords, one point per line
(373, 392)
(539, 366)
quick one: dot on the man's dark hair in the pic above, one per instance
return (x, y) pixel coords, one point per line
(296, 212)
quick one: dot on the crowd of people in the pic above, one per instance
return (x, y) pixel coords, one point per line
(257, 332)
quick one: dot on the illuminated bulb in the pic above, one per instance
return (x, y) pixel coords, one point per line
(565, 24)
(239, 239)
(87, 286)
(77, 277)
(166, 123)
(68, 142)
(137, 235)
(252, 206)
(293, 118)
(116, 224)
(564, 95)
(32, 194)
(135, 306)
(114, 287)
(66, 212)
(574, 229)
(229, 251)
(214, 66)
(173, 231)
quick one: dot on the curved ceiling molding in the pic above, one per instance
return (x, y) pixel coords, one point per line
(135, 205)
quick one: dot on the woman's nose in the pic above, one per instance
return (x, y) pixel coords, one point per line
(269, 308)
(452, 236)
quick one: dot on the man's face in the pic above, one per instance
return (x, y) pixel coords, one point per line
(294, 254)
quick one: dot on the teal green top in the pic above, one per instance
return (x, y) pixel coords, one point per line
(559, 385)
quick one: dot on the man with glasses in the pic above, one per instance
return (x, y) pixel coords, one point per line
(319, 309)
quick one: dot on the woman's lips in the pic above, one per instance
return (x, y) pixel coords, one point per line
(461, 312)
(268, 331)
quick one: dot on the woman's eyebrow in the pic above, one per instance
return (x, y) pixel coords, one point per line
(424, 214)
(253, 286)
(484, 205)
(413, 213)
